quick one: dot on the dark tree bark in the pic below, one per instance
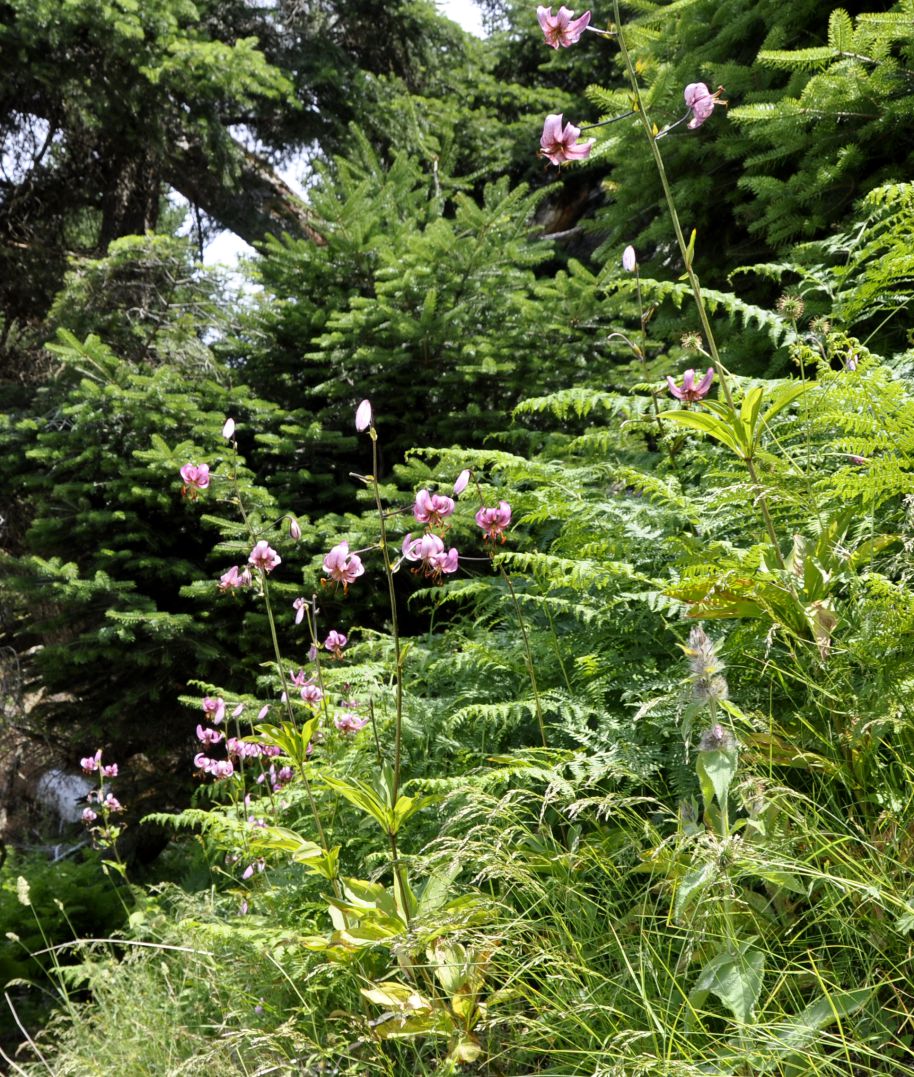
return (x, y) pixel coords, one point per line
(255, 204)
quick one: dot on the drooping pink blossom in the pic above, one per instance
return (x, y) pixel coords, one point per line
(689, 391)
(363, 416)
(429, 552)
(91, 763)
(629, 259)
(214, 709)
(109, 770)
(310, 693)
(88, 816)
(234, 579)
(236, 713)
(431, 509)
(494, 521)
(209, 736)
(282, 777)
(263, 712)
(701, 101)
(561, 29)
(111, 803)
(300, 605)
(196, 477)
(462, 481)
(219, 768)
(559, 144)
(244, 749)
(294, 529)
(335, 642)
(264, 557)
(349, 722)
(342, 566)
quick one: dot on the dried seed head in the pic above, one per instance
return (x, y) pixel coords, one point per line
(692, 342)
(791, 306)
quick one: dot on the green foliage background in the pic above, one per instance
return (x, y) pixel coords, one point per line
(621, 898)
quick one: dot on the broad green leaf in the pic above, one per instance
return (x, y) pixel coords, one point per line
(466, 1049)
(691, 885)
(783, 396)
(748, 413)
(403, 895)
(397, 995)
(786, 880)
(408, 806)
(437, 885)
(451, 964)
(735, 978)
(707, 424)
(799, 1032)
(716, 770)
(363, 797)
(293, 740)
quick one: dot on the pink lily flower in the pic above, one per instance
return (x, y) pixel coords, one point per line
(462, 481)
(112, 804)
(559, 29)
(88, 816)
(299, 605)
(690, 392)
(109, 770)
(494, 521)
(429, 551)
(234, 579)
(342, 566)
(219, 768)
(195, 477)
(264, 557)
(348, 722)
(701, 101)
(335, 642)
(214, 709)
(432, 508)
(209, 736)
(91, 763)
(310, 693)
(559, 144)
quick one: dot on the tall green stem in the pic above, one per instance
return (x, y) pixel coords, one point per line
(722, 373)
(394, 623)
(397, 865)
(291, 715)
